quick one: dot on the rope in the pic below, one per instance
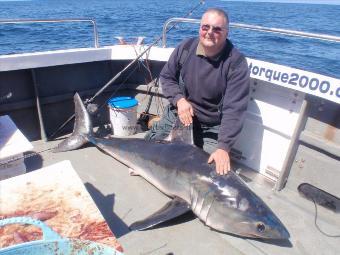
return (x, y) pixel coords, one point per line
(318, 227)
(35, 153)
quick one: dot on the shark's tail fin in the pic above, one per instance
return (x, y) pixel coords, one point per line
(82, 130)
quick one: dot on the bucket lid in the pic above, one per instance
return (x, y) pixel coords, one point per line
(122, 102)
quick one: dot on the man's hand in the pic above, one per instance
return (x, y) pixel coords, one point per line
(185, 111)
(222, 161)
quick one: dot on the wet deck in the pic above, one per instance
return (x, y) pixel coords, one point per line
(123, 199)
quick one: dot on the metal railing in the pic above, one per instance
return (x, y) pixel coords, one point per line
(25, 21)
(253, 27)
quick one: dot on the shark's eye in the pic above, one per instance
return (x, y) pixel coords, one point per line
(260, 227)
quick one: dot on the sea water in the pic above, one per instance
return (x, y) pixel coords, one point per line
(133, 18)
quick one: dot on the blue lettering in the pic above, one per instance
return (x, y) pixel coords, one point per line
(337, 93)
(303, 82)
(262, 70)
(255, 70)
(324, 86)
(276, 76)
(269, 74)
(294, 77)
(315, 85)
(284, 77)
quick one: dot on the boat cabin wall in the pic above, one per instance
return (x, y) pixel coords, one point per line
(316, 156)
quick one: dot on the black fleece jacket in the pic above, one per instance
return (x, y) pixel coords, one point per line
(218, 88)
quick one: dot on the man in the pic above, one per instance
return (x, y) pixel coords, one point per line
(206, 81)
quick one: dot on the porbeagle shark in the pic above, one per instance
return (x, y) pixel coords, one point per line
(180, 170)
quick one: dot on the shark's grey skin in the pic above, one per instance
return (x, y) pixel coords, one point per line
(180, 170)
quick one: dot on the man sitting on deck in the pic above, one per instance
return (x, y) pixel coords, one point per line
(206, 81)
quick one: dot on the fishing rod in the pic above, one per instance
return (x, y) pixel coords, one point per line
(88, 101)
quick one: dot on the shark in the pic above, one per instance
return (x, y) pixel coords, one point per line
(180, 170)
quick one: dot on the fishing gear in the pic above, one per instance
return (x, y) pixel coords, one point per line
(145, 117)
(5, 97)
(124, 69)
(320, 197)
(31, 154)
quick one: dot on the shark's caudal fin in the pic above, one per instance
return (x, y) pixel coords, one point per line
(82, 130)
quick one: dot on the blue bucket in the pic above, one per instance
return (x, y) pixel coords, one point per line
(123, 102)
(52, 243)
(123, 115)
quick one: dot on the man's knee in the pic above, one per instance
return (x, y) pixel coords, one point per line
(161, 129)
(210, 137)
(158, 131)
(209, 145)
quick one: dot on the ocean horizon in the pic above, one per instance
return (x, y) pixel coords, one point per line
(133, 18)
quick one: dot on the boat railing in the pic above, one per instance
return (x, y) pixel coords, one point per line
(26, 21)
(252, 27)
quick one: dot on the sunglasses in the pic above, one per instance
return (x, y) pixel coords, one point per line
(216, 30)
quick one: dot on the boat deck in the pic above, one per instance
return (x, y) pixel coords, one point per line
(123, 199)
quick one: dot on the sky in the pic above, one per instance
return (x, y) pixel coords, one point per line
(337, 2)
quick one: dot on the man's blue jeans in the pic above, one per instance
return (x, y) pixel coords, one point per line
(205, 136)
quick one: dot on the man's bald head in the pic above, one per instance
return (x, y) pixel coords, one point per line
(219, 12)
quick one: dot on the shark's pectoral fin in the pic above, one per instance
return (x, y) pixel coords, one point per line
(171, 210)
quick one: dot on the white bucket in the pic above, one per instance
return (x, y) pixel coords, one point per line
(123, 115)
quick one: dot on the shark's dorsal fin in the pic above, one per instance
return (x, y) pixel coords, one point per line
(181, 133)
(171, 210)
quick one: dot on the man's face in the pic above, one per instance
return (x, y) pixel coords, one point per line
(213, 31)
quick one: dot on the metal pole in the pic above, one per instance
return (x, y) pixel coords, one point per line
(25, 21)
(324, 37)
(176, 20)
(287, 164)
(288, 32)
(37, 100)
